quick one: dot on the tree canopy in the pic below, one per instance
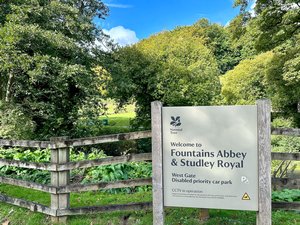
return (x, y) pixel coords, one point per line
(175, 67)
(47, 56)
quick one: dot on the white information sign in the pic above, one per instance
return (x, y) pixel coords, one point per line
(210, 157)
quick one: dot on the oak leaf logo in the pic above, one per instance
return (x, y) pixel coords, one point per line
(175, 121)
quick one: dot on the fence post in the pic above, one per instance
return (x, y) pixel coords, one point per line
(264, 214)
(60, 201)
(157, 169)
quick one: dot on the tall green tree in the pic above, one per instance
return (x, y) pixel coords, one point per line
(219, 41)
(277, 20)
(175, 67)
(283, 78)
(276, 26)
(247, 81)
(47, 56)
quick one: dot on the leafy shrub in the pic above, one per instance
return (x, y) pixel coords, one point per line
(38, 155)
(284, 144)
(286, 195)
(14, 124)
(120, 172)
(90, 175)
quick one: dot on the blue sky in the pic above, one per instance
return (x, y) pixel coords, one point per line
(133, 20)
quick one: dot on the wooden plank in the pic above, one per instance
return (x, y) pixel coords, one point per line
(157, 166)
(28, 165)
(27, 144)
(59, 143)
(104, 185)
(108, 208)
(61, 178)
(33, 206)
(105, 161)
(286, 131)
(286, 156)
(290, 183)
(27, 184)
(103, 139)
(264, 162)
(286, 205)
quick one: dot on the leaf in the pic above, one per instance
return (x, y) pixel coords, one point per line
(178, 118)
(172, 117)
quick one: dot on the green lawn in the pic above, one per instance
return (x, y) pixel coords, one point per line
(174, 216)
(119, 120)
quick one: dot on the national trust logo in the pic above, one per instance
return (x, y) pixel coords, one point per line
(175, 121)
(175, 125)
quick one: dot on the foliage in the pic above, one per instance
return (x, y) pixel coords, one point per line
(14, 123)
(25, 155)
(219, 41)
(243, 36)
(91, 175)
(284, 144)
(286, 195)
(120, 172)
(47, 56)
(276, 20)
(283, 78)
(247, 81)
(174, 67)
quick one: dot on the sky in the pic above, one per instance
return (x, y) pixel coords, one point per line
(132, 20)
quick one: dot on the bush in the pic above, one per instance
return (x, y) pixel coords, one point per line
(286, 195)
(91, 175)
(14, 124)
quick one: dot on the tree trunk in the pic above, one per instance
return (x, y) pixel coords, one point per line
(9, 85)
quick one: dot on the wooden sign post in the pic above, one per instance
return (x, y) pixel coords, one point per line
(193, 146)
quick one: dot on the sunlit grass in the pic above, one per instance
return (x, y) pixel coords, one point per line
(174, 216)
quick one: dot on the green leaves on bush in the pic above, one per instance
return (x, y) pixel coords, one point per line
(91, 175)
(286, 195)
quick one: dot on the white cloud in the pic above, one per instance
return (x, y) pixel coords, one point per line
(251, 11)
(227, 24)
(122, 6)
(122, 36)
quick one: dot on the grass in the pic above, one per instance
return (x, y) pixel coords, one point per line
(120, 119)
(174, 216)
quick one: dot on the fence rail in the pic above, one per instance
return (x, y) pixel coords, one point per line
(286, 131)
(56, 145)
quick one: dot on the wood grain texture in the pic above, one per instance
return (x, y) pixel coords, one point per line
(264, 162)
(157, 167)
(28, 165)
(286, 205)
(104, 161)
(104, 185)
(61, 178)
(285, 156)
(33, 206)
(286, 131)
(281, 183)
(107, 208)
(27, 184)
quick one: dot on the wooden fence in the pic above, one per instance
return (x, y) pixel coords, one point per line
(60, 167)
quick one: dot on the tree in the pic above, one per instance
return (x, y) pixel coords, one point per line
(277, 21)
(174, 67)
(47, 56)
(247, 81)
(283, 78)
(219, 41)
